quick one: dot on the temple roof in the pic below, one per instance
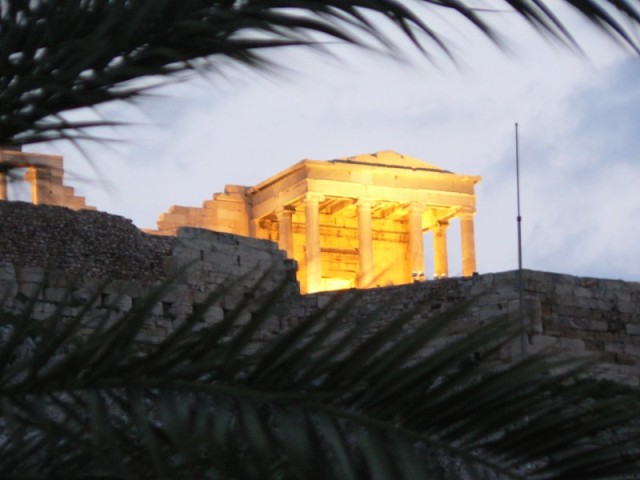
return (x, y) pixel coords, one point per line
(390, 158)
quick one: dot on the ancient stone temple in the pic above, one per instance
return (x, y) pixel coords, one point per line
(350, 222)
(44, 173)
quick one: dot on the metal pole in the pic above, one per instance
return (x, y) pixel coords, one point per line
(523, 331)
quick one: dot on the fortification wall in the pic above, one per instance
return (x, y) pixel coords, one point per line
(64, 256)
(41, 247)
(95, 243)
(584, 317)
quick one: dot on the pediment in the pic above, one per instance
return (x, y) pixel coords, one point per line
(390, 158)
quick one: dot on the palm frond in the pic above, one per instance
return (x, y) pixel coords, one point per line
(85, 396)
(61, 55)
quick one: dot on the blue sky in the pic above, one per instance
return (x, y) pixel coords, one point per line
(579, 144)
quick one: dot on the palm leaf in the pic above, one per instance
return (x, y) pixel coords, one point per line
(61, 55)
(224, 401)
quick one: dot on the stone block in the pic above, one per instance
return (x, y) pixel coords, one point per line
(182, 309)
(56, 295)
(43, 310)
(622, 295)
(232, 299)
(8, 290)
(632, 350)
(117, 302)
(513, 351)
(82, 296)
(30, 290)
(170, 265)
(614, 347)
(60, 278)
(134, 288)
(571, 344)
(31, 275)
(71, 311)
(627, 307)
(633, 328)
(176, 293)
(564, 290)
(543, 341)
(478, 289)
(583, 292)
(323, 300)
(214, 314)
(7, 272)
(607, 374)
(598, 326)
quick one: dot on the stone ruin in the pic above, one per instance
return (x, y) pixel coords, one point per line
(43, 247)
(45, 173)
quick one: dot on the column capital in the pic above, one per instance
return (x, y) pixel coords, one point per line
(365, 202)
(284, 211)
(313, 197)
(467, 212)
(416, 207)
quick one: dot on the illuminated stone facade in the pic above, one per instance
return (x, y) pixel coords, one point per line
(45, 173)
(351, 222)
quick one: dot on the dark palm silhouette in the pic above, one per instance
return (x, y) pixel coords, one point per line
(59, 55)
(220, 402)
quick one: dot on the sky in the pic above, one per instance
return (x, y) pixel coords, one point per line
(579, 125)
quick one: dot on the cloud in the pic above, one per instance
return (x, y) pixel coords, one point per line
(578, 141)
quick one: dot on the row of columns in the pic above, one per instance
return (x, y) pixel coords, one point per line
(366, 275)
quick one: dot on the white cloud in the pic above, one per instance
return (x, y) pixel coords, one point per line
(579, 205)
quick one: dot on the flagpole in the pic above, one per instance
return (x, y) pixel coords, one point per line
(523, 332)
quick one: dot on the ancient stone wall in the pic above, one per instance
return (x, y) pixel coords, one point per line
(45, 173)
(585, 317)
(63, 257)
(96, 243)
(226, 212)
(40, 246)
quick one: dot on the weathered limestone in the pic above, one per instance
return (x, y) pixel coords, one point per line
(3, 186)
(285, 230)
(365, 242)
(313, 251)
(416, 241)
(45, 173)
(580, 317)
(349, 222)
(366, 227)
(441, 262)
(225, 212)
(468, 243)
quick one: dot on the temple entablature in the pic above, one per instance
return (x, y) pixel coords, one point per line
(45, 173)
(349, 222)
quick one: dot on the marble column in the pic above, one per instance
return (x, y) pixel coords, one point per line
(3, 186)
(285, 229)
(468, 243)
(365, 243)
(441, 262)
(312, 255)
(416, 242)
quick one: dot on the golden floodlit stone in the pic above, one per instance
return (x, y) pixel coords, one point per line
(350, 222)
